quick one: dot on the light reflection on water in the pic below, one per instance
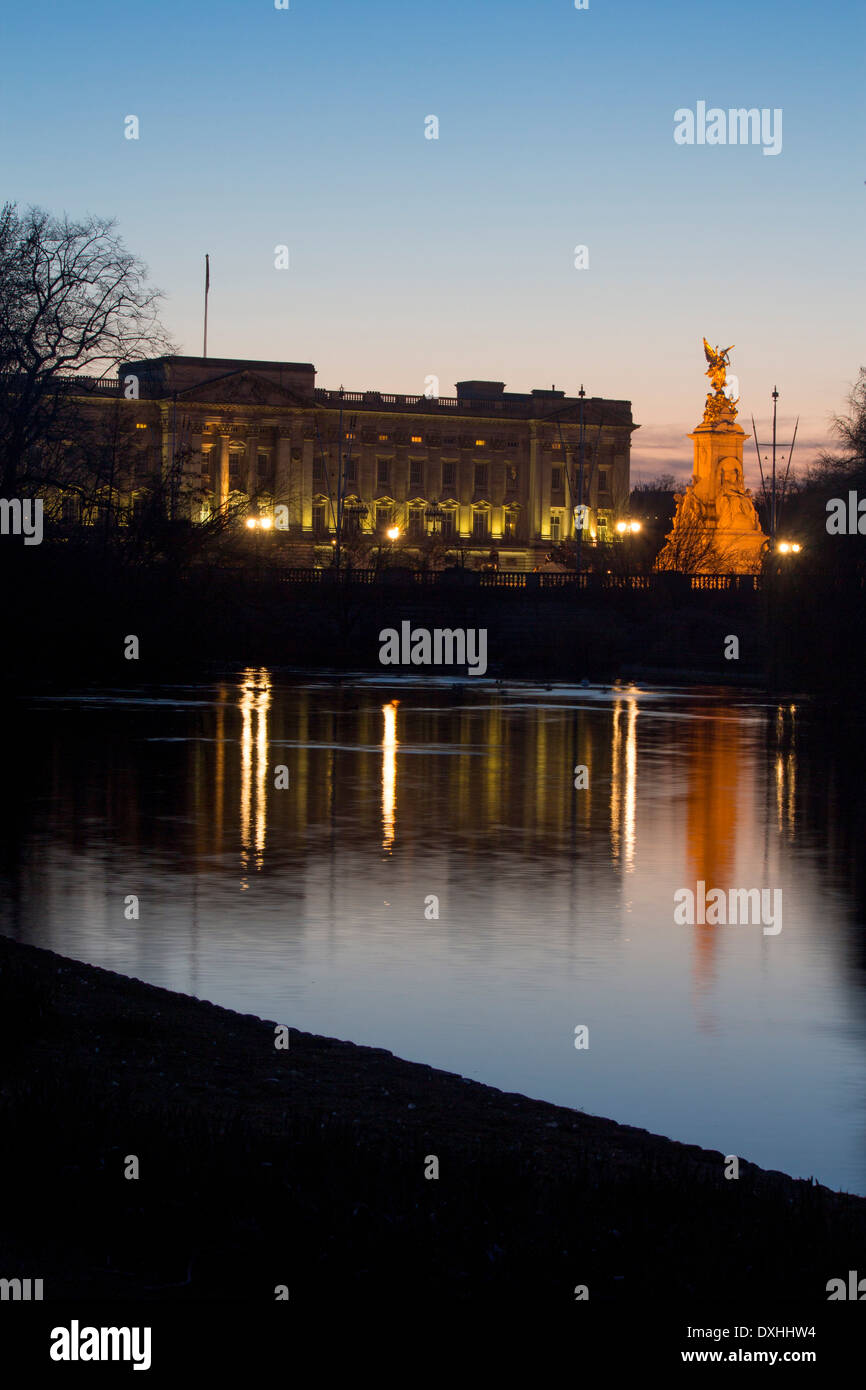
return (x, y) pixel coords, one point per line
(305, 902)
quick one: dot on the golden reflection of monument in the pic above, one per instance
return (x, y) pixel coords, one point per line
(715, 757)
(716, 528)
(254, 704)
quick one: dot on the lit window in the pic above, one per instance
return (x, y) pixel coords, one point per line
(349, 435)
(141, 427)
(383, 438)
(479, 443)
(555, 520)
(480, 525)
(416, 439)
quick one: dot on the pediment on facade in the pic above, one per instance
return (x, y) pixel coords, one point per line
(242, 388)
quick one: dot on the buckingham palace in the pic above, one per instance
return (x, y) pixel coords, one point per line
(485, 470)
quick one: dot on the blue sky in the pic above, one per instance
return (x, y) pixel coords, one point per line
(455, 257)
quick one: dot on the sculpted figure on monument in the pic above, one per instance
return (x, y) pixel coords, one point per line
(719, 362)
(719, 403)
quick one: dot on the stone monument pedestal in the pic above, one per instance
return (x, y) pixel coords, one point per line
(716, 528)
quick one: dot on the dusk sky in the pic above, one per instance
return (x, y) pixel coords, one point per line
(455, 257)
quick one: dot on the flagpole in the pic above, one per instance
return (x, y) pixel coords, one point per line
(206, 289)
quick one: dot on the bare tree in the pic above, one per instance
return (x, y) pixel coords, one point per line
(73, 300)
(850, 431)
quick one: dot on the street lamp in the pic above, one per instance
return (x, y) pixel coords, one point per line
(788, 548)
(393, 533)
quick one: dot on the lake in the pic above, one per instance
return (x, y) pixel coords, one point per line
(410, 865)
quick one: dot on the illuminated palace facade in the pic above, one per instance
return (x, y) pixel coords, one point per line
(486, 469)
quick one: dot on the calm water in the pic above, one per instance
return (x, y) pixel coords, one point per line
(306, 904)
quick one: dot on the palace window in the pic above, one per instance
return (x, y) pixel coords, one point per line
(511, 525)
(449, 522)
(449, 474)
(318, 470)
(417, 528)
(416, 439)
(556, 479)
(383, 471)
(416, 473)
(383, 518)
(265, 467)
(383, 438)
(512, 478)
(480, 525)
(320, 526)
(480, 443)
(350, 470)
(555, 526)
(481, 477)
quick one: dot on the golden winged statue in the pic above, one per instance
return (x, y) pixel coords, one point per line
(718, 364)
(720, 405)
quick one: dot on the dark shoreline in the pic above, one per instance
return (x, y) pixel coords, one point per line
(305, 1167)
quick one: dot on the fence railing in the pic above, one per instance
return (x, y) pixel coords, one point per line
(522, 580)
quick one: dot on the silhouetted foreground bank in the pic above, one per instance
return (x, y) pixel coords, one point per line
(306, 1168)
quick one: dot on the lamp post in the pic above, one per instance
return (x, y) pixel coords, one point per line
(257, 524)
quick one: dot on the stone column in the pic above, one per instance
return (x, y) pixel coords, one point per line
(305, 489)
(251, 467)
(534, 483)
(191, 485)
(223, 470)
(283, 475)
(544, 467)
